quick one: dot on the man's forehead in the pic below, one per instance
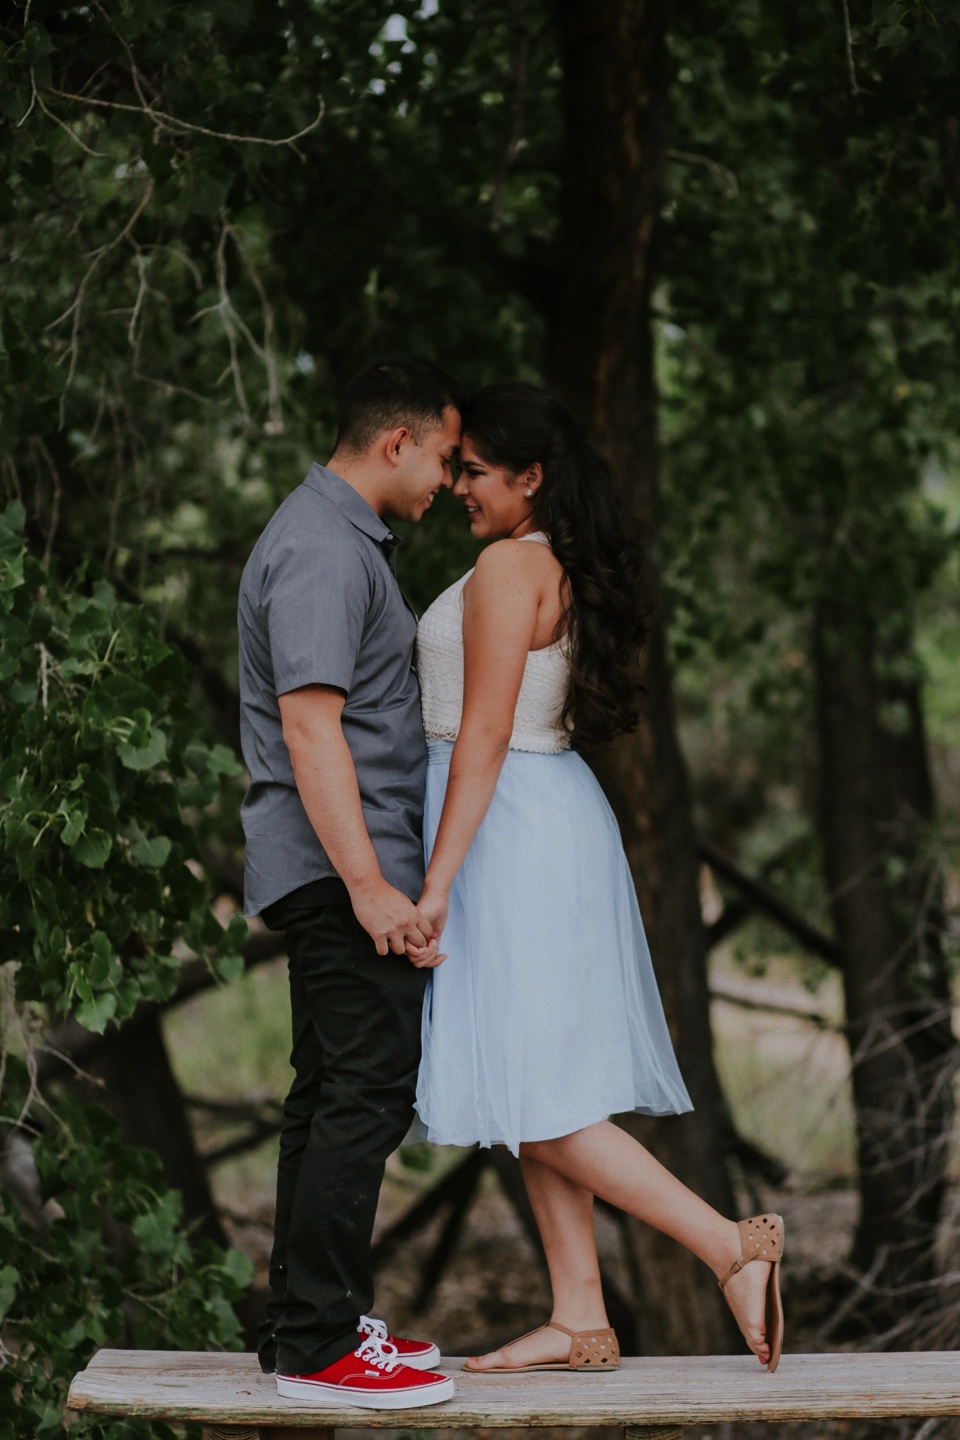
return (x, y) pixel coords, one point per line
(450, 430)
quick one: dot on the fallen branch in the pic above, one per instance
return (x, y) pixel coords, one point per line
(769, 904)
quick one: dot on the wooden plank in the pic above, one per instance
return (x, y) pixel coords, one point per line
(285, 1432)
(674, 1390)
(652, 1432)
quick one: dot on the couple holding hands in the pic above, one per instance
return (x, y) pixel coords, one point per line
(504, 992)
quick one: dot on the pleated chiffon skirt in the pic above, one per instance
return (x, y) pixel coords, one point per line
(546, 1016)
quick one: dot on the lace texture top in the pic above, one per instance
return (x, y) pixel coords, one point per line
(536, 723)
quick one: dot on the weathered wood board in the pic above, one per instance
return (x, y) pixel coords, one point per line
(677, 1390)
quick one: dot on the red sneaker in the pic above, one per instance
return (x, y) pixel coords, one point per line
(421, 1354)
(370, 1376)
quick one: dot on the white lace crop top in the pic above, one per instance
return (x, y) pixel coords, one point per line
(536, 723)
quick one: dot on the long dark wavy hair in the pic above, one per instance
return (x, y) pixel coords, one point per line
(513, 425)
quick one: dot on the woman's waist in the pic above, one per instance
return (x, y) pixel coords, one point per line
(439, 749)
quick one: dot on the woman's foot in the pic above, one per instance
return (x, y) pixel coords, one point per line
(746, 1276)
(746, 1294)
(545, 1346)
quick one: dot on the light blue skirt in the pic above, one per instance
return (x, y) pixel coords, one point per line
(545, 1017)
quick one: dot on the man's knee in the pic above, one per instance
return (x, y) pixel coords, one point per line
(368, 1114)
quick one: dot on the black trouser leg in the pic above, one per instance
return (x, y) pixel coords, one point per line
(356, 1028)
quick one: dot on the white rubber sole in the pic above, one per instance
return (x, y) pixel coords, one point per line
(427, 1361)
(321, 1395)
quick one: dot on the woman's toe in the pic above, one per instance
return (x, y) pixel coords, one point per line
(489, 1361)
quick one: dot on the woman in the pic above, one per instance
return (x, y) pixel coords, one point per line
(545, 1018)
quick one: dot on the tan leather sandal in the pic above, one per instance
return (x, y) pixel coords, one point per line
(589, 1350)
(761, 1238)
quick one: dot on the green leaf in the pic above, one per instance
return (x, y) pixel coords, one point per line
(99, 968)
(36, 44)
(8, 1287)
(151, 853)
(229, 967)
(238, 1268)
(73, 826)
(146, 756)
(94, 1014)
(92, 849)
(155, 1230)
(13, 518)
(222, 761)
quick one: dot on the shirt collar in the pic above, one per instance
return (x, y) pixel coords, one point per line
(329, 484)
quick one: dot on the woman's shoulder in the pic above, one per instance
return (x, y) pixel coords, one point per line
(505, 558)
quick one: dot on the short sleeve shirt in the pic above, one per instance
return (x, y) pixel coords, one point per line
(320, 605)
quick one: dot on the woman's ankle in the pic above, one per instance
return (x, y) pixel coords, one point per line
(581, 1318)
(726, 1249)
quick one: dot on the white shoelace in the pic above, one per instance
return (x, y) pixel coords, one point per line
(369, 1326)
(379, 1353)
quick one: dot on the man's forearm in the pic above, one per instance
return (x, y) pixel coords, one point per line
(327, 782)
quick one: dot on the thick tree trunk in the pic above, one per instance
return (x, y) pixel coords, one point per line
(876, 804)
(143, 1093)
(599, 359)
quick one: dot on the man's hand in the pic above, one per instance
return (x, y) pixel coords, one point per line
(391, 920)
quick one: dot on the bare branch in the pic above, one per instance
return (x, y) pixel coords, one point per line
(848, 36)
(721, 173)
(227, 317)
(516, 99)
(75, 308)
(96, 154)
(268, 352)
(164, 120)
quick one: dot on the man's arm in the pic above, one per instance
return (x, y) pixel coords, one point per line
(327, 781)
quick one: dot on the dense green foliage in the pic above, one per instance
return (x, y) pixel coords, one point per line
(102, 758)
(104, 1262)
(103, 771)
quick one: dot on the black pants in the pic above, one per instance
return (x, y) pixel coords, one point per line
(356, 1051)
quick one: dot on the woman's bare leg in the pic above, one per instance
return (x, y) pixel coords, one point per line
(564, 1214)
(604, 1160)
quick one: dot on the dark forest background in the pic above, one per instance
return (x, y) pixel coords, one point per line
(728, 236)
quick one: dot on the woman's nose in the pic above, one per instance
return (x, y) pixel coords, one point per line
(460, 487)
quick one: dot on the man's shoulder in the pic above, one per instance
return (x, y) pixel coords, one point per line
(305, 523)
(308, 515)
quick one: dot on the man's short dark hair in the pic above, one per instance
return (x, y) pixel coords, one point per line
(394, 392)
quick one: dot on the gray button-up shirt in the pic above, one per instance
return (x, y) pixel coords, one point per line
(320, 605)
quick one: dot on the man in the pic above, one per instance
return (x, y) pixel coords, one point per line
(333, 740)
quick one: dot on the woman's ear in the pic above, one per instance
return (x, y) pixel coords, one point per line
(532, 479)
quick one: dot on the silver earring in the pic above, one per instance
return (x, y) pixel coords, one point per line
(529, 493)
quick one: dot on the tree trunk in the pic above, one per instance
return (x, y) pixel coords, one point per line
(143, 1093)
(599, 359)
(876, 805)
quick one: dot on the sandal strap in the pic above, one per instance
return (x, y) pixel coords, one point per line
(761, 1238)
(591, 1349)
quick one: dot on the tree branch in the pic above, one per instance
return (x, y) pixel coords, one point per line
(769, 904)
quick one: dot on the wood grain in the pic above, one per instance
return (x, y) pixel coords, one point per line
(229, 1390)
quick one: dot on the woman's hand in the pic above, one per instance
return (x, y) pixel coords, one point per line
(433, 905)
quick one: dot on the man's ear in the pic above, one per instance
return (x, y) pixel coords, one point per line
(392, 444)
